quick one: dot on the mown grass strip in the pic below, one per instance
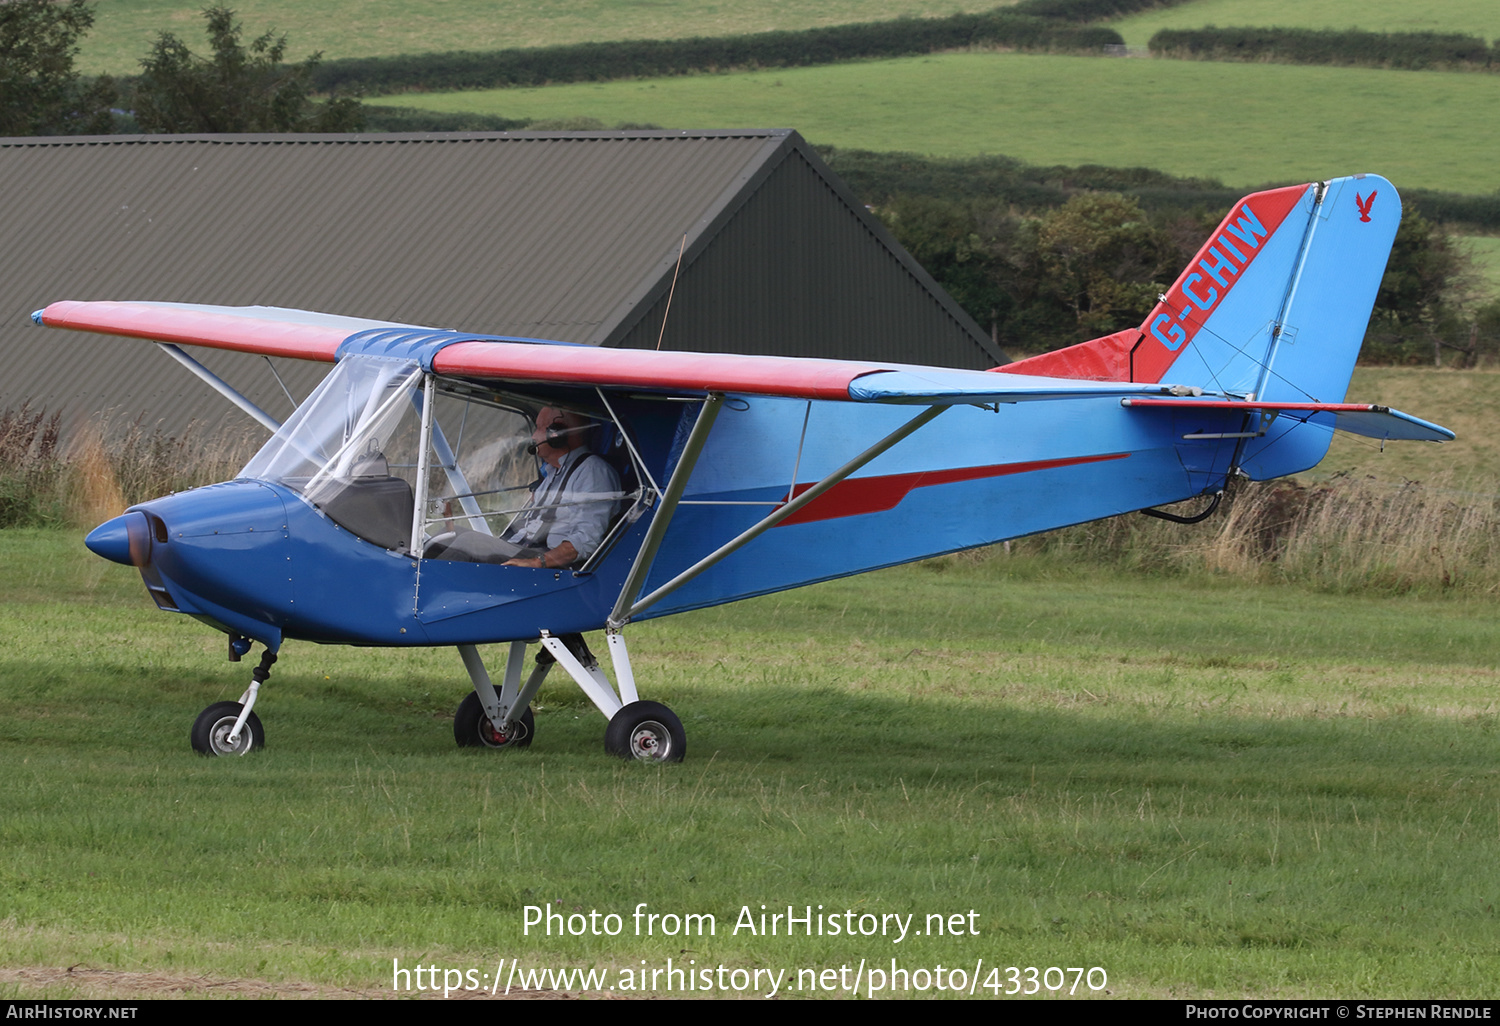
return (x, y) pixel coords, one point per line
(1206, 787)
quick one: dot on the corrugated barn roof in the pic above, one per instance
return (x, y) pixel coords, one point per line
(570, 236)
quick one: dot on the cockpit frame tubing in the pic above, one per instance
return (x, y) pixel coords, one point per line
(640, 465)
(448, 460)
(419, 496)
(366, 416)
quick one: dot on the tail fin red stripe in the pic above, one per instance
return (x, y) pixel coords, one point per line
(1199, 290)
(1144, 354)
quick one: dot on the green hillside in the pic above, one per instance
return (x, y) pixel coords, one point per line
(1478, 17)
(124, 29)
(1245, 124)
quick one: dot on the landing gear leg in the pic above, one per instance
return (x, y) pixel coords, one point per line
(500, 719)
(646, 731)
(232, 728)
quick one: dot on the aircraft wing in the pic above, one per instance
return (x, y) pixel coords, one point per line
(273, 331)
(792, 377)
(263, 330)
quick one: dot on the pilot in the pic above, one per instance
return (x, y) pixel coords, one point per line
(570, 509)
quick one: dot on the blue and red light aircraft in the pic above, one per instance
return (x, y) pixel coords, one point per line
(384, 510)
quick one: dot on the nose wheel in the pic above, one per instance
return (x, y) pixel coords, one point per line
(232, 728)
(215, 724)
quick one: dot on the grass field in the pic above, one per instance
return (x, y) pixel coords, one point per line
(1242, 123)
(125, 29)
(1468, 402)
(1230, 791)
(1476, 17)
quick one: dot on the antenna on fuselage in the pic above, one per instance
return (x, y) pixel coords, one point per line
(668, 311)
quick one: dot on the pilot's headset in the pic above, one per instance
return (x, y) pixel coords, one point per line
(557, 436)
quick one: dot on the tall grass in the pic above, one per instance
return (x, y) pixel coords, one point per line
(1344, 536)
(31, 464)
(102, 468)
(1350, 534)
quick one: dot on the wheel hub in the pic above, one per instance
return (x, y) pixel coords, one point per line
(497, 738)
(651, 742)
(218, 737)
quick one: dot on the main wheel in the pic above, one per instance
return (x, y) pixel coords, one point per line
(647, 731)
(472, 728)
(211, 732)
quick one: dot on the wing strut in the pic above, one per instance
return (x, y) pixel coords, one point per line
(709, 412)
(770, 521)
(221, 386)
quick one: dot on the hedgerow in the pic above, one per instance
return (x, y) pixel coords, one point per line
(652, 58)
(1412, 51)
(1088, 10)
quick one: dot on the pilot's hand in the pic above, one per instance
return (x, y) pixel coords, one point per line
(538, 563)
(553, 559)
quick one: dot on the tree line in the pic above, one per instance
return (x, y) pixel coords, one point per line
(237, 87)
(1042, 257)
(1045, 257)
(658, 58)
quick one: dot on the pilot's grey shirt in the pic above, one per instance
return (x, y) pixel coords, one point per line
(585, 490)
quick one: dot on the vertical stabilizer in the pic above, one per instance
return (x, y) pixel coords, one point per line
(1275, 306)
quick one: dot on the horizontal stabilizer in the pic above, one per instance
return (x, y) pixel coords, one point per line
(937, 386)
(1356, 418)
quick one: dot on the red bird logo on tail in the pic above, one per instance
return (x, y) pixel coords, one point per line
(1364, 205)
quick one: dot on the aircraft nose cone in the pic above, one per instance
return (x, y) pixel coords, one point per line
(122, 540)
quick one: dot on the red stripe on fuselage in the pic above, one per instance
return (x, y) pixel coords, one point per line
(854, 496)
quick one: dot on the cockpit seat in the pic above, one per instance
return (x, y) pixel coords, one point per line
(373, 505)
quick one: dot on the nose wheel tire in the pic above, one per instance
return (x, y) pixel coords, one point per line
(211, 732)
(646, 732)
(473, 729)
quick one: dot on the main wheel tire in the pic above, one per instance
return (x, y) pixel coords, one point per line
(211, 731)
(473, 729)
(646, 731)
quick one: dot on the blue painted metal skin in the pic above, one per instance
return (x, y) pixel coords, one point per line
(257, 559)
(749, 456)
